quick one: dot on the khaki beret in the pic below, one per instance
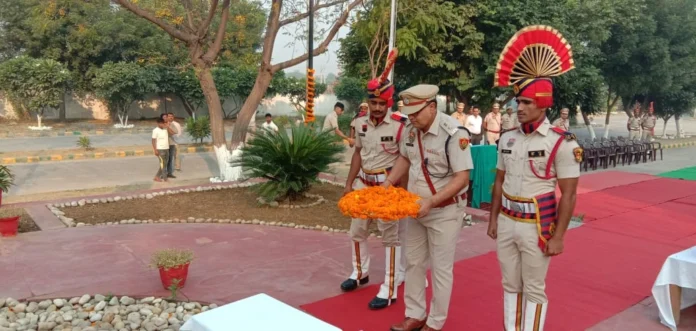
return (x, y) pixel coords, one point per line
(416, 97)
(364, 104)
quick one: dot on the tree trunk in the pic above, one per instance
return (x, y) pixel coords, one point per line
(586, 119)
(676, 120)
(38, 120)
(188, 107)
(217, 128)
(263, 80)
(664, 126)
(61, 110)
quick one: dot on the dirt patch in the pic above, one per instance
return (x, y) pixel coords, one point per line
(26, 223)
(237, 203)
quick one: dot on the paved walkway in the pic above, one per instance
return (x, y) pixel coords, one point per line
(34, 178)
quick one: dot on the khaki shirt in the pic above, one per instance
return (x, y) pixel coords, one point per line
(508, 121)
(460, 117)
(493, 122)
(514, 151)
(434, 152)
(331, 121)
(648, 121)
(561, 123)
(634, 123)
(378, 146)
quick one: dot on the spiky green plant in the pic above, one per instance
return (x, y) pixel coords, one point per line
(291, 163)
(6, 178)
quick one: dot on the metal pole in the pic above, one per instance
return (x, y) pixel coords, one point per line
(310, 67)
(392, 33)
(310, 41)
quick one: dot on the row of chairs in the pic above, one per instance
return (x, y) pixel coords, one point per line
(603, 152)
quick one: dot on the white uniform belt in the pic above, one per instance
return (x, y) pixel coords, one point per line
(377, 178)
(522, 207)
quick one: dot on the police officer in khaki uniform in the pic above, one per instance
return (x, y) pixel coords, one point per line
(493, 124)
(509, 119)
(459, 115)
(378, 134)
(648, 124)
(633, 124)
(437, 157)
(526, 219)
(563, 122)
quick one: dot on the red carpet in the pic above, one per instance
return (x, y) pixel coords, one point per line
(608, 266)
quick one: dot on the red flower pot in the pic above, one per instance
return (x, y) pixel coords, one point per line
(9, 226)
(169, 275)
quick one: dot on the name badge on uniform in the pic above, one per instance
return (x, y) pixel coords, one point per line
(409, 144)
(361, 134)
(387, 138)
(537, 153)
(506, 151)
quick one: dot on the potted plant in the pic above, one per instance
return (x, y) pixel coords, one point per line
(6, 180)
(173, 266)
(9, 225)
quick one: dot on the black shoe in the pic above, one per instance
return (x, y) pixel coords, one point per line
(379, 303)
(171, 176)
(351, 284)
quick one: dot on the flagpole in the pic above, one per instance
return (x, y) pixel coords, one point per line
(392, 33)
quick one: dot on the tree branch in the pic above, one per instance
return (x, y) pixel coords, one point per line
(213, 50)
(203, 29)
(189, 16)
(172, 31)
(324, 44)
(305, 15)
(272, 28)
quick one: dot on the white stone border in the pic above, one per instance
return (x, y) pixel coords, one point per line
(69, 222)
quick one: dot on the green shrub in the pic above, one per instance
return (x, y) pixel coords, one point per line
(198, 128)
(85, 143)
(281, 121)
(290, 163)
(344, 122)
(6, 178)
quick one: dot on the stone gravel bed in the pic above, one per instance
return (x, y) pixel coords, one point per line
(98, 313)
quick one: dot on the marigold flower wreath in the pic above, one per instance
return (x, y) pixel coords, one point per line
(376, 202)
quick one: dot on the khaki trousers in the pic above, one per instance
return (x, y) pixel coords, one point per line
(492, 137)
(432, 238)
(647, 133)
(522, 263)
(393, 234)
(633, 134)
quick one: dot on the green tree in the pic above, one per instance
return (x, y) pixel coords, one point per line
(120, 84)
(34, 85)
(296, 90)
(351, 90)
(191, 23)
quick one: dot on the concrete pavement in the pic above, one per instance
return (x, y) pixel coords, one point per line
(34, 178)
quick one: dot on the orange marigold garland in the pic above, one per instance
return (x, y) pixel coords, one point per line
(376, 202)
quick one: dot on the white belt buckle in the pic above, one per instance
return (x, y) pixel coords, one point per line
(516, 206)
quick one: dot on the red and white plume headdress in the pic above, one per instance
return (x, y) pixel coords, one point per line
(529, 60)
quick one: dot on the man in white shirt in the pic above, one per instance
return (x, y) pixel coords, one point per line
(174, 130)
(268, 124)
(473, 124)
(160, 145)
(331, 122)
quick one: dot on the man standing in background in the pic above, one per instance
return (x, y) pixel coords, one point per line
(160, 146)
(563, 122)
(459, 115)
(174, 130)
(633, 124)
(492, 124)
(473, 124)
(508, 120)
(648, 124)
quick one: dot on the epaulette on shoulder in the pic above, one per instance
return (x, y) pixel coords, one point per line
(566, 134)
(450, 125)
(399, 117)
